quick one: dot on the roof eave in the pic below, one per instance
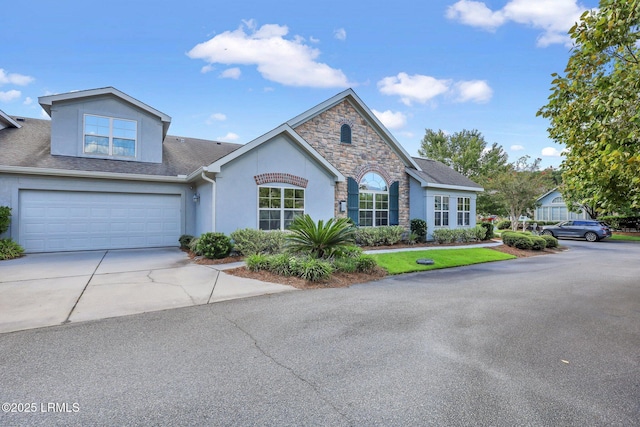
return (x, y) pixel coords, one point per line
(91, 174)
(427, 184)
(8, 120)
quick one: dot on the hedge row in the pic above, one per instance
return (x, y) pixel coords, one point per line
(453, 235)
(622, 222)
(528, 241)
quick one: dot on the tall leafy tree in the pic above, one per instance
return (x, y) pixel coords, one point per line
(517, 188)
(467, 152)
(594, 109)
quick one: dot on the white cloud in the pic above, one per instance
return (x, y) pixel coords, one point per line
(416, 88)
(229, 137)
(290, 62)
(473, 90)
(231, 73)
(517, 148)
(28, 101)
(553, 17)
(314, 40)
(14, 78)
(340, 34)
(216, 117)
(207, 68)
(551, 152)
(10, 95)
(390, 119)
(420, 88)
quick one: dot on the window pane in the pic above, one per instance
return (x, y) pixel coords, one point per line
(96, 144)
(438, 218)
(373, 181)
(124, 147)
(366, 201)
(445, 203)
(382, 218)
(94, 125)
(124, 129)
(299, 194)
(438, 201)
(382, 201)
(366, 219)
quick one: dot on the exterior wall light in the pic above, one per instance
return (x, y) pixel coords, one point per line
(196, 198)
(343, 205)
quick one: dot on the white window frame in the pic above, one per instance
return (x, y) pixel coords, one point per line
(110, 136)
(464, 215)
(444, 214)
(282, 209)
(376, 198)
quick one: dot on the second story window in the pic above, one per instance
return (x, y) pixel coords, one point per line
(345, 134)
(108, 136)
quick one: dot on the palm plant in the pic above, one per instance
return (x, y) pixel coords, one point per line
(321, 240)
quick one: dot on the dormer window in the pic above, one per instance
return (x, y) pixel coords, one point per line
(345, 134)
(108, 136)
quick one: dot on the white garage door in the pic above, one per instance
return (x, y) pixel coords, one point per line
(72, 220)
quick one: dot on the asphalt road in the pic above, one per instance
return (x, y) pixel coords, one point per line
(544, 341)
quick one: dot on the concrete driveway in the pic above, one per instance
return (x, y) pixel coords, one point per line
(55, 288)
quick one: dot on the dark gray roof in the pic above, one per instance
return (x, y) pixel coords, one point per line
(439, 173)
(30, 146)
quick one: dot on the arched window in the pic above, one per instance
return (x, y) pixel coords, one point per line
(345, 134)
(558, 200)
(373, 201)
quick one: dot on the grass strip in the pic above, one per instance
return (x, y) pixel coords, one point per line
(405, 262)
(625, 237)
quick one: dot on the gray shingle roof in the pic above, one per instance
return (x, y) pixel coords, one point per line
(30, 146)
(439, 173)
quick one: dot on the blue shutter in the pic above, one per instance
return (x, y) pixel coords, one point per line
(394, 218)
(352, 200)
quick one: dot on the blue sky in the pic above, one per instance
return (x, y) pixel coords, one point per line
(231, 71)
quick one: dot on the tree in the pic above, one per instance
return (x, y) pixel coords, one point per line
(593, 109)
(518, 188)
(465, 152)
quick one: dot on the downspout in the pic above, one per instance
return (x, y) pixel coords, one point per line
(213, 198)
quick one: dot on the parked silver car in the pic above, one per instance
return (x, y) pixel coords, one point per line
(592, 231)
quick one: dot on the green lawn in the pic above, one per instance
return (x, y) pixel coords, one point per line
(405, 262)
(624, 237)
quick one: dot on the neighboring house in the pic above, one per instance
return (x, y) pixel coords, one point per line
(103, 173)
(551, 207)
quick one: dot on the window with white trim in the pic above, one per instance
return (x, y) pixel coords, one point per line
(464, 211)
(557, 200)
(278, 206)
(441, 211)
(108, 136)
(373, 201)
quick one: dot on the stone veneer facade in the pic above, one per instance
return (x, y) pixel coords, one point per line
(368, 152)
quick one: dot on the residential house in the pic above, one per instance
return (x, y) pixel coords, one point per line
(104, 173)
(551, 207)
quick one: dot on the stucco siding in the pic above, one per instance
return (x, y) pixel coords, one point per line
(237, 190)
(431, 193)
(67, 127)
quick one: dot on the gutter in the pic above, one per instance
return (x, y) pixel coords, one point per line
(89, 174)
(204, 176)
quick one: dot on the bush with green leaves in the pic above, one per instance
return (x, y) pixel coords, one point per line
(538, 243)
(505, 224)
(551, 241)
(249, 241)
(488, 230)
(257, 262)
(379, 236)
(445, 235)
(5, 218)
(366, 264)
(10, 249)
(185, 240)
(419, 228)
(213, 245)
(314, 270)
(319, 240)
(517, 240)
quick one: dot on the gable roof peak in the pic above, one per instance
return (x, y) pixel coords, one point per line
(351, 96)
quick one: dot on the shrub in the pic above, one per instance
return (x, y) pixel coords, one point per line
(213, 245)
(538, 243)
(257, 262)
(479, 232)
(281, 264)
(249, 241)
(505, 224)
(378, 236)
(366, 264)
(419, 228)
(552, 242)
(10, 249)
(517, 240)
(5, 218)
(321, 240)
(350, 251)
(488, 230)
(444, 235)
(193, 246)
(315, 270)
(185, 240)
(347, 265)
